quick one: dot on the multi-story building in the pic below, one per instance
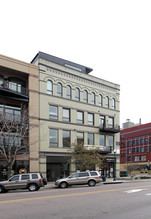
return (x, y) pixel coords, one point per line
(75, 107)
(18, 89)
(135, 148)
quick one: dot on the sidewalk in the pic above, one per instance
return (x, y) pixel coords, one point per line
(134, 179)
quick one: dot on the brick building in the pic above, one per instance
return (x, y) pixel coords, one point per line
(135, 148)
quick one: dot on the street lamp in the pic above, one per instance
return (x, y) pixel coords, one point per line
(114, 165)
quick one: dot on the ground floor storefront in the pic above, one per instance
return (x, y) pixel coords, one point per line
(20, 166)
(58, 165)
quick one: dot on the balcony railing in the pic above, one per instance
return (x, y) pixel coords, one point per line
(109, 128)
(17, 88)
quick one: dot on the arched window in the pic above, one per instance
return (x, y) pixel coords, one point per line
(107, 102)
(49, 87)
(68, 92)
(113, 103)
(77, 94)
(100, 100)
(59, 89)
(85, 96)
(92, 98)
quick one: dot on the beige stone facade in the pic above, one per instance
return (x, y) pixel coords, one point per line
(19, 84)
(104, 110)
(58, 118)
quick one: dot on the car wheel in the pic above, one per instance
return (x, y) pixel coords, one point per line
(33, 187)
(1, 189)
(91, 183)
(63, 185)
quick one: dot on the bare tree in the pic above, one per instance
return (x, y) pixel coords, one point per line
(86, 158)
(14, 140)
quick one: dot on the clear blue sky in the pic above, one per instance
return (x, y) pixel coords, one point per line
(111, 36)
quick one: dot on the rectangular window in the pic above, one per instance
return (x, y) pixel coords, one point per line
(53, 138)
(111, 122)
(111, 142)
(142, 149)
(102, 121)
(66, 138)
(66, 115)
(90, 139)
(136, 158)
(10, 139)
(80, 117)
(53, 112)
(129, 158)
(11, 113)
(80, 137)
(90, 119)
(143, 157)
(102, 140)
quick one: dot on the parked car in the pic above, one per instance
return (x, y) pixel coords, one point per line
(30, 181)
(80, 178)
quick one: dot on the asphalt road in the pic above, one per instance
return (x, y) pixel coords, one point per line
(120, 201)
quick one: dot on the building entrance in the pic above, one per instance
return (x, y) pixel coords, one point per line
(57, 167)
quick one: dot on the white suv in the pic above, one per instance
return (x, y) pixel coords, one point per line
(80, 178)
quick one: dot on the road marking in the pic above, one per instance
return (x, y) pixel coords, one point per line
(148, 194)
(73, 194)
(134, 190)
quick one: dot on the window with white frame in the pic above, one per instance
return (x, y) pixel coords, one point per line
(59, 89)
(53, 137)
(90, 139)
(143, 157)
(93, 98)
(85, 96)
(49, 87)
(113, 103)
(107, 102)
(68, 92)
(80, 117)
(111, 142)
(102, 121)
(66, 115)
(102, 140)
(90, 119)
(77, 94)
(100, 100)
(66, 138)
(53, 112)
(136, 158)
(111, 122)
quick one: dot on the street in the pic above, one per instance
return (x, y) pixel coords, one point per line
(126, 200)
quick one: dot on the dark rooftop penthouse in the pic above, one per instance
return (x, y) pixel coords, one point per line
(62, 62)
